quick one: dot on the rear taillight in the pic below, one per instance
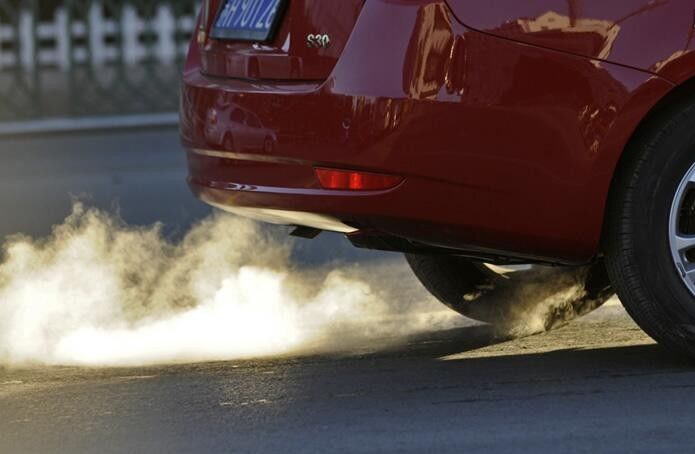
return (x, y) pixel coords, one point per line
(350, 180)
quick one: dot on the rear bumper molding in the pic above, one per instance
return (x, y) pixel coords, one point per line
(286, 217)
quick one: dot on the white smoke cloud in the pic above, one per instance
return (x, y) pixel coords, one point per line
(97, 292)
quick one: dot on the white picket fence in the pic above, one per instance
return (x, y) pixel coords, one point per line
(29, 45)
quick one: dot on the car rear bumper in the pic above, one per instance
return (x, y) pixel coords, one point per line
(488, 164)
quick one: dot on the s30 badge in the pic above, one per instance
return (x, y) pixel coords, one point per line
(318, 41)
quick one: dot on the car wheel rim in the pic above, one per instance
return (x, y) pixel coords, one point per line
(682, 230)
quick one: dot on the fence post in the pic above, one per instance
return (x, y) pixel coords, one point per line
(1, 40)
(27, 44)
(130, 26)
(165, 24)
(62, 38)
(96, 34)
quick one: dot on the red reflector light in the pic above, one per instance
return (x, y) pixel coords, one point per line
(348, 180)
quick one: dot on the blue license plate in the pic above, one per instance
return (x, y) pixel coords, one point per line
(248, 20)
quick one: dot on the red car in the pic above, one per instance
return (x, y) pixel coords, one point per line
(464, 133)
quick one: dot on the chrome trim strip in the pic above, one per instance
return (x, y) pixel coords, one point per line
(284, 217)
(248, 156)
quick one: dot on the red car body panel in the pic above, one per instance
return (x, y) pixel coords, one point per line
(637, 33)
(508, 144)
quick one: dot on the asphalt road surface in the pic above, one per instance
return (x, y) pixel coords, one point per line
(139, 173)
(598, 385)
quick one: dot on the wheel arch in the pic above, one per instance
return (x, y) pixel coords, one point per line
(667, 106)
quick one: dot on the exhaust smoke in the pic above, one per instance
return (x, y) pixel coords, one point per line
(97, 292)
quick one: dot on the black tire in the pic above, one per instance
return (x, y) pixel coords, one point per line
(522, 302)
(636, 238)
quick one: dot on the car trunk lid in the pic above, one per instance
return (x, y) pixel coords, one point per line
(289, 54)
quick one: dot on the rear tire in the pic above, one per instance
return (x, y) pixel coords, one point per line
(640, 234)
(521, 302)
